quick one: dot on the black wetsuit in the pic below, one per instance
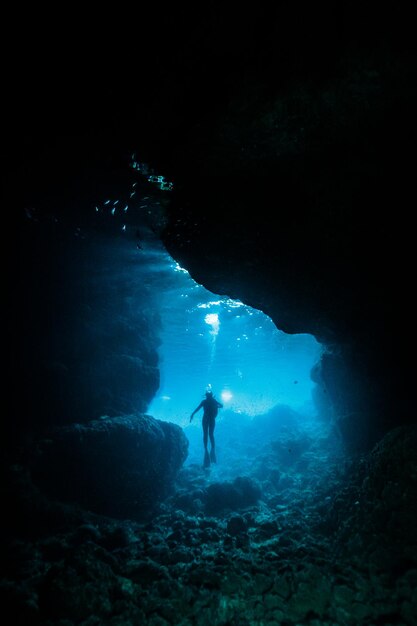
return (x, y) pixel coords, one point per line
(210, 408)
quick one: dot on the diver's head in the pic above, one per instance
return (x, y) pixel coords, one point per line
(209, 394)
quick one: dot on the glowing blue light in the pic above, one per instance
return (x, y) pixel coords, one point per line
(251, 364)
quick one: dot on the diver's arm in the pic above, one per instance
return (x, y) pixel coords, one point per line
(195, 411)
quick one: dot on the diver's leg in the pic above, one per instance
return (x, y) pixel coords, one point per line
(205, 433)
(212, 442)
(205, 441)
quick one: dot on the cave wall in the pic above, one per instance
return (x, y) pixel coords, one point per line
(287, 133)
(334, 276)
(295, 202)
(83, 332)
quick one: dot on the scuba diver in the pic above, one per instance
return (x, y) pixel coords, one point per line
(211, 407)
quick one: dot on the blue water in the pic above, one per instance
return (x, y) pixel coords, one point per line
(210, 340)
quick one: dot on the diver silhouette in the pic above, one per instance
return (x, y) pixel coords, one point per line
(211, 407)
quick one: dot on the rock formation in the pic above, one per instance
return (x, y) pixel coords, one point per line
(122, 467)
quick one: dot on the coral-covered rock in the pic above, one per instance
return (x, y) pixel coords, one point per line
(120, 467)
(240, 493)
(375, 513)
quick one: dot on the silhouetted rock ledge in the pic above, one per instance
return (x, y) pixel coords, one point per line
(121, 467)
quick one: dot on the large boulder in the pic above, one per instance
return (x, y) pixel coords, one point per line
(120, 467)
(374, 515)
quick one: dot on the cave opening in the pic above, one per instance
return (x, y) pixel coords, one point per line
(265, 379)
(286, 139)
(133, 333)
(237, 350)
(129, 344)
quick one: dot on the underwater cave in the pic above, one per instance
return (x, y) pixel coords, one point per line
(231, 231)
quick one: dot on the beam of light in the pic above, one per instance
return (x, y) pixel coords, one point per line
(212, 319)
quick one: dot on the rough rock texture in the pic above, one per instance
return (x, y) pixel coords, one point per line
(310, 549)
(84, 335)
(122, 467)
(375, 515)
